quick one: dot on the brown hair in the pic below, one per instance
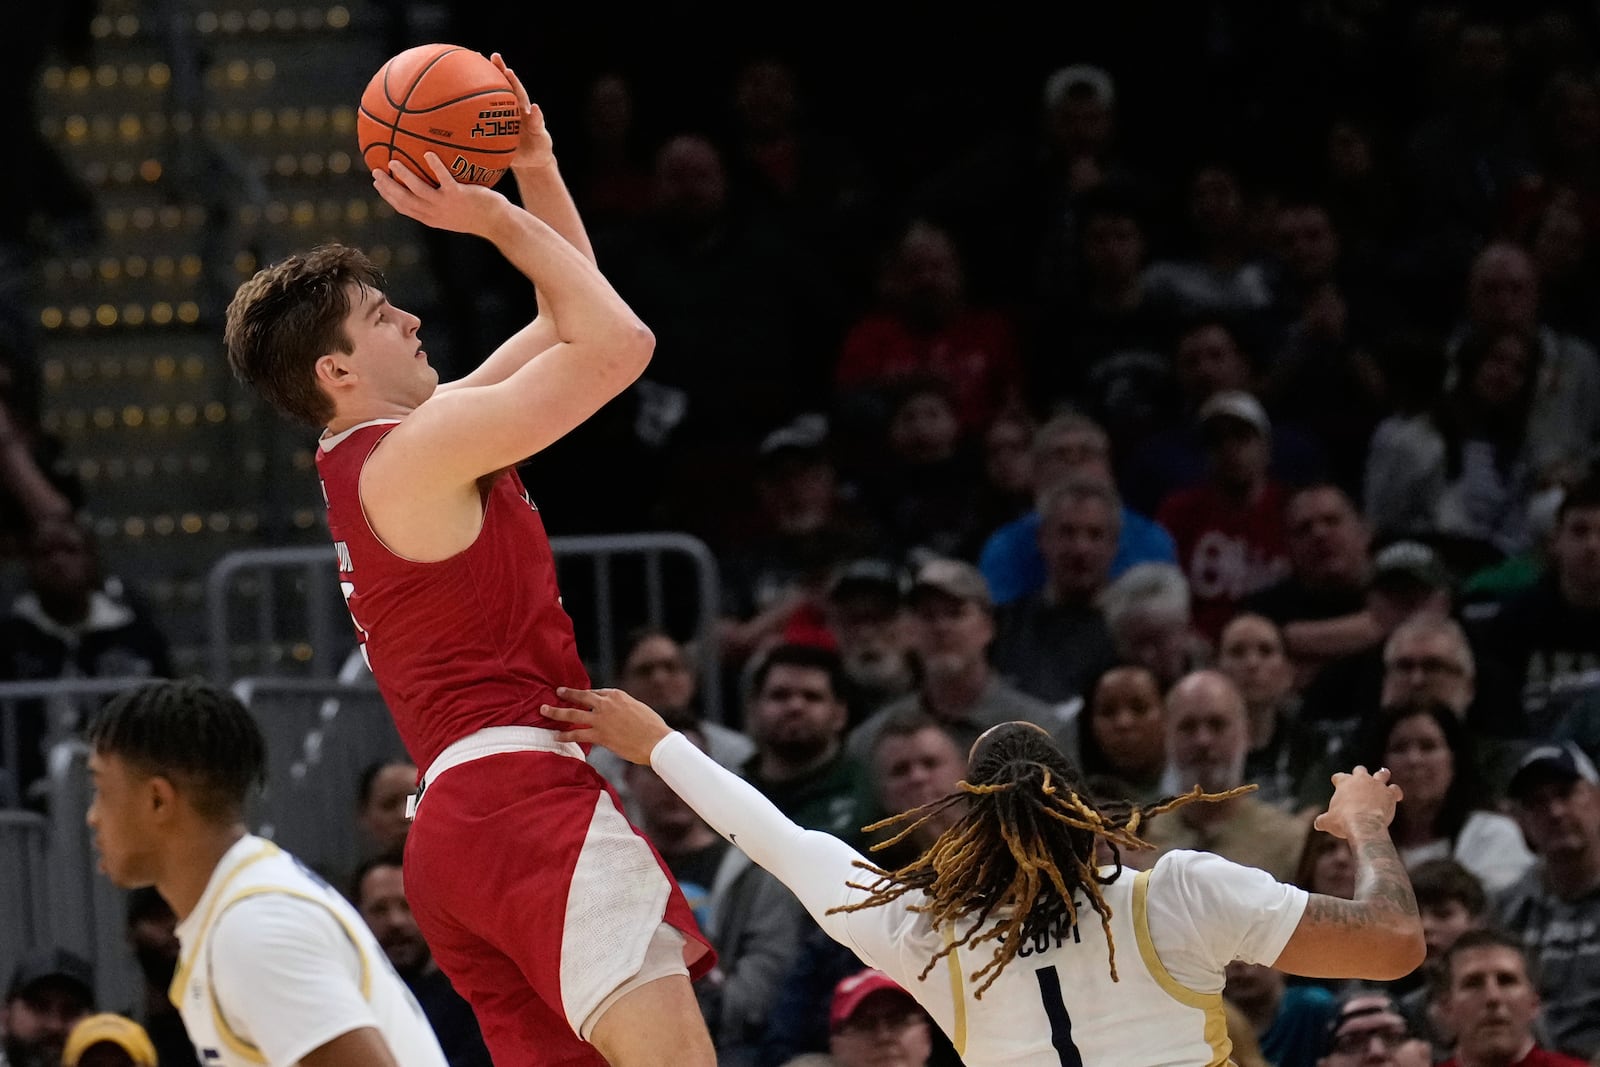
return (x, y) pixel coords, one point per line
(1021, 852)
(286, 317)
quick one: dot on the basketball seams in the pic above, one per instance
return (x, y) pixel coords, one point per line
(400, 104)
(396, 136)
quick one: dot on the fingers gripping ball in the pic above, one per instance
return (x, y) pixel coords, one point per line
(444, 99)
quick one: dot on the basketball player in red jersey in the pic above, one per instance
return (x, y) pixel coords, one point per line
(548, 912)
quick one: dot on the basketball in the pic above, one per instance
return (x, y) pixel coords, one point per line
(444, 99)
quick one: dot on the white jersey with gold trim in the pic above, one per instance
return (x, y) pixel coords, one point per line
(1175, 928)
(275, 964)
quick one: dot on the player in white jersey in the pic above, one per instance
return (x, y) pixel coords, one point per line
(1020, 943)
(276, 967)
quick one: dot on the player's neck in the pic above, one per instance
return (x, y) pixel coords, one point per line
(190, 862)
(366, 411)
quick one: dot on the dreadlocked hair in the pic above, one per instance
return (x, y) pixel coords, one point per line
(1017, 858)
(191, 732)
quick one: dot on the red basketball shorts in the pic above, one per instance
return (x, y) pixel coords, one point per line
(537, 899)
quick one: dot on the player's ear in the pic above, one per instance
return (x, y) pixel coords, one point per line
(160, 795)
(333, 370)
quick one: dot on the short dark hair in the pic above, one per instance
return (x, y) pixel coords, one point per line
(1585, 496)
(908, 722)
(1436, 883)
(286, 317)
(369, 778)
(191, 732)
(808, 657)
(389, 858)
(1487, 937)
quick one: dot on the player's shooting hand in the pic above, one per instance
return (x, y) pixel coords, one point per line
(611, 718)
(447, 205)
(1361, 801)
(535, 148)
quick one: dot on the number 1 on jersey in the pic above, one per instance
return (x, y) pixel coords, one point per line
(1055, 1009)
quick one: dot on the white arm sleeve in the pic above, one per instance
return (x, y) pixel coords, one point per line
(286, 976)
(1205, 911)
(814, 865)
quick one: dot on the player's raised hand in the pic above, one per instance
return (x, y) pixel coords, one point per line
(448, 205)
(535, 148)
(611, 718)
(1360, 801)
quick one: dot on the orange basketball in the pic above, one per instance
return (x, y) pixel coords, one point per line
(444, 99)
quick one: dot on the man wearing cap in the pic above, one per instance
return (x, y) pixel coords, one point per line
(49, 991)
(1369, 1031)
(108, 1040)
(953, 626)
(1230, 529)
(1555, 908)
(872, 1022)
(865, 612)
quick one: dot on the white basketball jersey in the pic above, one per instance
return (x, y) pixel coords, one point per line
(314, 971)
(1055, 1002)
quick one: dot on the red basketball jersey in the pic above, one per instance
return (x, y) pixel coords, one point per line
(476, 640)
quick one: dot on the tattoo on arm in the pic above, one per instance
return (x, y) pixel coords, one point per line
(1383, 889)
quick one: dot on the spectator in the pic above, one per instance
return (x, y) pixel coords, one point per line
(1217, 273)
(924, 324)
(1428, 660)
(72, 622)
(1326, 865)
(1230, 531)
(378, 892)
(1547, 640)
(1491, 1003)
(754, 923)
(1465, 470)
(797, 720)
(1447, 811)
(1207, 740)
(1122, 747)
(49, 992)
(1452, 902)
(1110, 347)
(1069, 446)
(915, 762)
(656, 668)
(1290, 1021)
(654, 662)
(108, 1040)
(926, 482)
(1052, 644)
(381, 794)
(1368, 1030)
(875, 1023)
(1555, 908)
(152, 933)
(1283, 749)
(953, 626)
(1147, 612)
(1330, 566)
(866, 613)
(1563, 415)
(1006, 493)
(1321, 373)
(1207, 360)
(776, 567)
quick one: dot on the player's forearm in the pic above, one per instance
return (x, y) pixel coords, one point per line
(815, 866)
(545, 195)
(581, 302)
(32, 488)
(1382, 883)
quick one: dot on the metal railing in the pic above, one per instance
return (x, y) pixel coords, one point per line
(319, 616)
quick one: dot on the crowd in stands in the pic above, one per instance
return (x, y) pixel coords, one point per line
(1239, 438)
